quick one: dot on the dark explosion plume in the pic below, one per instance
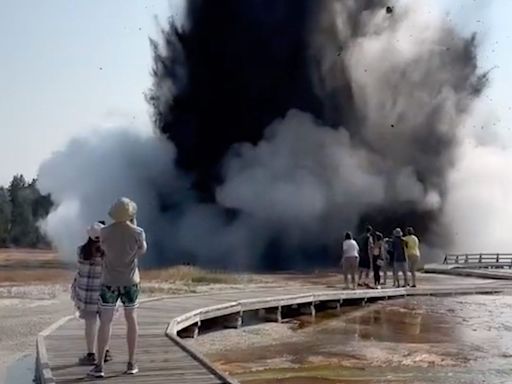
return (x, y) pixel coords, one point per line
(233, 68)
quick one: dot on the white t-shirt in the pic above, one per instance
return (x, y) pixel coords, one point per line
(350, 248)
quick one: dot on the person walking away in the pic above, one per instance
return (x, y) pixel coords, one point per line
(413, 253)
(123, 243)
(85, 290)
(365, 261)
(400, 257)
(350, 260)
(377, 258)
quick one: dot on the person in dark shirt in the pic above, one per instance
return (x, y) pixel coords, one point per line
(388, 259)
(399, 258)
(377, 258)
(365, 261)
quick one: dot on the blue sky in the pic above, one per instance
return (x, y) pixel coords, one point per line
(71, 66)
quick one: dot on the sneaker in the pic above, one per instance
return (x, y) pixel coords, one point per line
(413, 286)
(97, 372)
(131, 369)
(88, 359)
(108, 356)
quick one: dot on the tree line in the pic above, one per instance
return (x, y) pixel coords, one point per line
(22, 207)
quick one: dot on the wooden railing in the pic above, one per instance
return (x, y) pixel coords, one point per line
(480, 260)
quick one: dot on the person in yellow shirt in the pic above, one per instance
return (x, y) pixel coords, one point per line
(413, 253)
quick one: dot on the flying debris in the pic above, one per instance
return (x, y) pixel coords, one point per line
(389, 9)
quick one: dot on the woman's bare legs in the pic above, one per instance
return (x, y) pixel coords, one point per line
(91, 331)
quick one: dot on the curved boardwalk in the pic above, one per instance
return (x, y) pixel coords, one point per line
(164, 358)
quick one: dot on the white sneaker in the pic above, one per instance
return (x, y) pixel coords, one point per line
(131, 369)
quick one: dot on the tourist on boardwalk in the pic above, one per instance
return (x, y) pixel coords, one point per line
(85, 290)
(413, 253)
(123, 242)
(388, 259)
(365, 261)
(399, 258)
(350, 260)
(377, 258)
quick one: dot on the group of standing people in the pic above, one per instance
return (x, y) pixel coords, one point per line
(373, 252)
(107, 273)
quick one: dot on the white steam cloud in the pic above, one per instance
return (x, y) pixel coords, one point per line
(478, 205)
(91, 172)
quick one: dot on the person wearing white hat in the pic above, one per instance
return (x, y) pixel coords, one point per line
(123, 243)
(85, 290)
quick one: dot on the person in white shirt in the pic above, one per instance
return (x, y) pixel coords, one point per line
(350, 260)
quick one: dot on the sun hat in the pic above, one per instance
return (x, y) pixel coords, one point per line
(123, 209)
(94, 231)
(397, 232)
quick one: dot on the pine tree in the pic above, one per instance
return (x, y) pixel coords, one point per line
(27, 208)
(5, 217)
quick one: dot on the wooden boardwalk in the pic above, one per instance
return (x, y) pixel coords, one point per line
(163, 358)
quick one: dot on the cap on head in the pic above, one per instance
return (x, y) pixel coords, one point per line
(94, 231)
(122, 210)
(397, 232)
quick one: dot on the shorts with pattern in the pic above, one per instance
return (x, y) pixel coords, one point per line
(110, 295)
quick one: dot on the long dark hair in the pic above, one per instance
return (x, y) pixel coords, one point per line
(89, 249)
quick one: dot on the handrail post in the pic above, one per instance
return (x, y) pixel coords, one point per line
(445, 261)
(466, 260)
(456, 259)
(480, 259)
(497, 257)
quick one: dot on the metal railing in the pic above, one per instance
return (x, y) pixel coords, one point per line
(480, 260)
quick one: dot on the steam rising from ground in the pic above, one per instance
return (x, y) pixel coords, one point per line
(91, 172)
(478, 205)
(373, 137)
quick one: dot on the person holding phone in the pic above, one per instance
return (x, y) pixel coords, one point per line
(123, 242)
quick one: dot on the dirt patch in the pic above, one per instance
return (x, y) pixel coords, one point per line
(27, 266)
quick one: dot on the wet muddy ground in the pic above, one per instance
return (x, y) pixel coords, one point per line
(449, 340)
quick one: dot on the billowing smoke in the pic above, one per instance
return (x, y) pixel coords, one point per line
(381, 91)
(289, 122)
